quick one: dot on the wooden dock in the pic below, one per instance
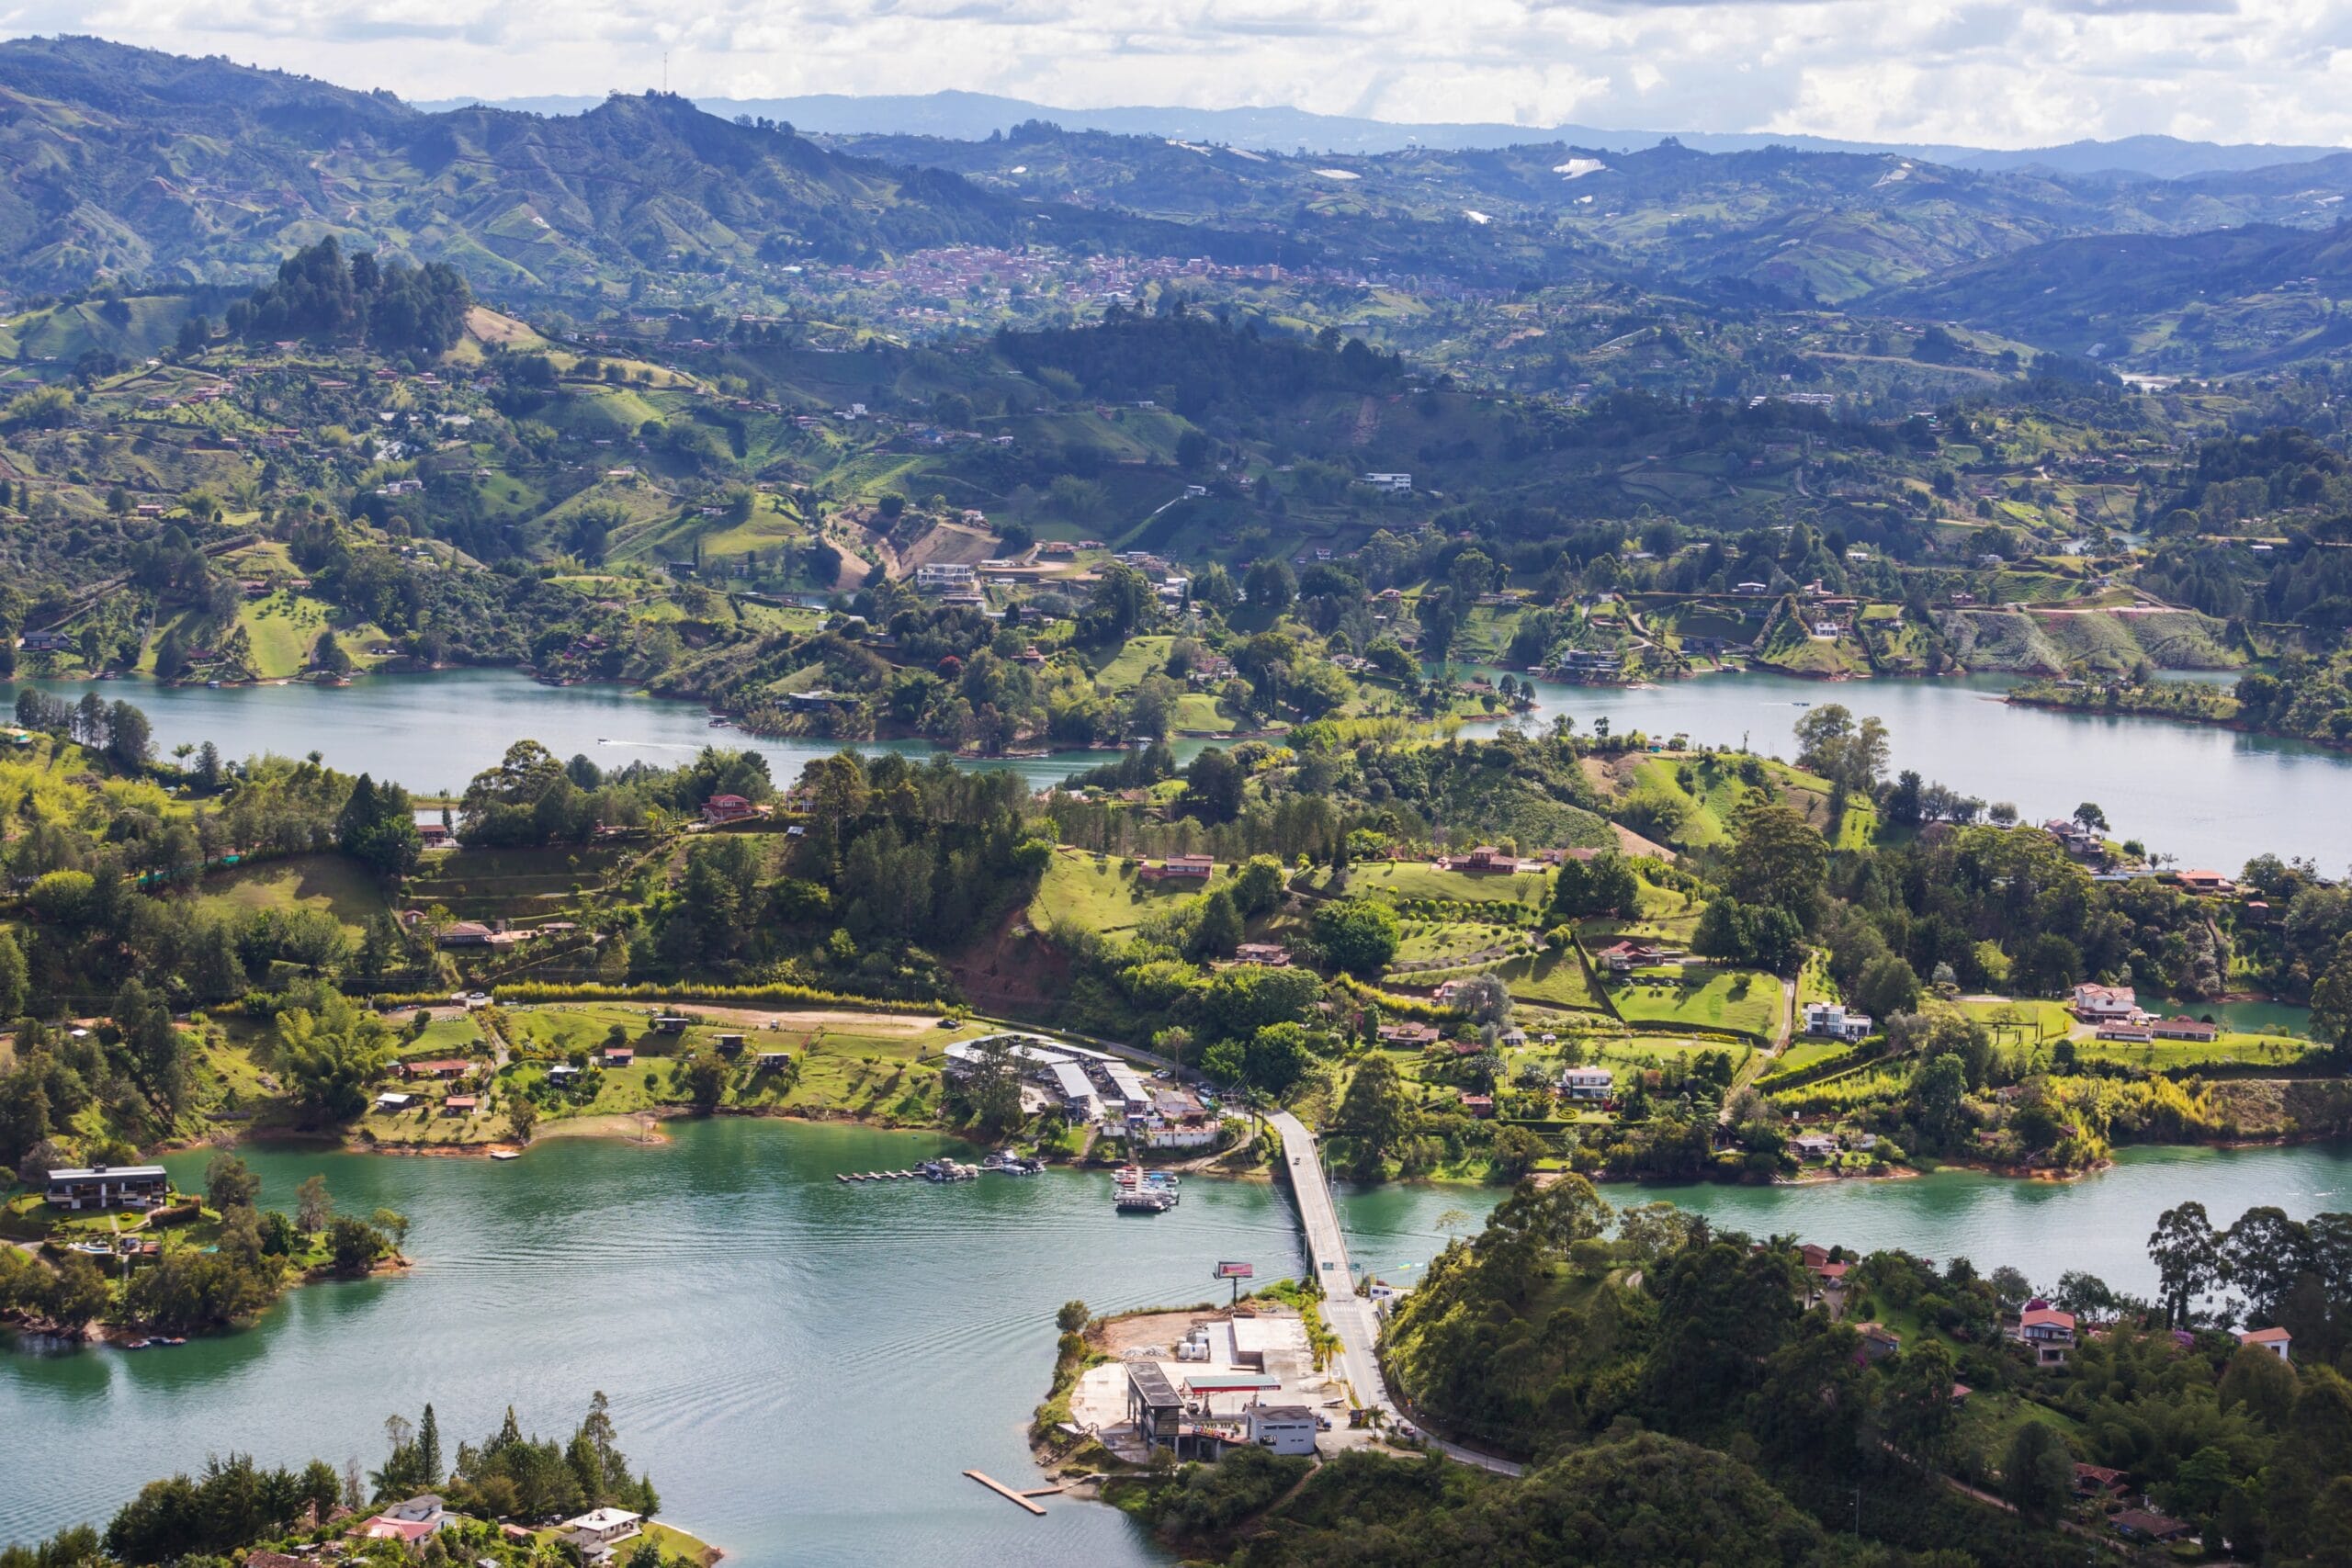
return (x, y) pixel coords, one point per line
(999, 1488)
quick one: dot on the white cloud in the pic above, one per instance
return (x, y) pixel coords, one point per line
(1991, 73)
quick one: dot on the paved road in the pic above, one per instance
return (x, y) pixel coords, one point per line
(1349, 1315)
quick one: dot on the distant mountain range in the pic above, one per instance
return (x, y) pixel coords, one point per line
(129, 163)
(971, 116)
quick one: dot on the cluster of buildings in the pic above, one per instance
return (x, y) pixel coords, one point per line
(1094, 1088)
(2114, 1013)
(595, 1535)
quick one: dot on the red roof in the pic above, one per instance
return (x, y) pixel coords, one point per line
(2265, 1336)
(2047, 1318)
(728, 802)
(381, 1528)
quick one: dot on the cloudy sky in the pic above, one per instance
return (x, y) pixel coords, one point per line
(1983, 73)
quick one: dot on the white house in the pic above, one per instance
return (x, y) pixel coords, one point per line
(596, 1532)
(1395, 484)
(1834, 1023)
(1588, 1085)
(2093, 1003)
(1285, 1428)
(2275, 1340)
(940, 576)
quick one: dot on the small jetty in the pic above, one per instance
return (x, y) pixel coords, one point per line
(1007, 1493)
(1003, 1162)
(1135, 1190)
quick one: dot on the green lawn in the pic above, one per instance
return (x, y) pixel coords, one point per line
(2025, 1023)
(1431, 941)
(1399, 880)
(1140, 656)
(329, 884)
(1739, 998)
(1080, 892)
(1556, 979)
(2261, 1049)
(1803, 1053)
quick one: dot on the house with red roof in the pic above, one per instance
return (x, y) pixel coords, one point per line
(720, 809)
(2046, 1331)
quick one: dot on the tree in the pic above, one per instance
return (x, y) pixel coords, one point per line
(1271, 585)
(229, 1184)
(1778, 860)
(353, 1245)
(2187, 1254)
(1219, 929)
(377, 827)
(395, 1224)
(2262, 1256)
(522, 1117)
(1374, 1115)
(329, 1058)
(1919, 1398)
(1256, 886)
(1605, 885)
(2332, 1004)
(1486, 998)
(1358, 935)
(2090, 818)
(1213, 787)
(706, 1079)
(428, 1447)
(2038, 1471)
(1888, 986)
(313, 1207)
(1071, 1316)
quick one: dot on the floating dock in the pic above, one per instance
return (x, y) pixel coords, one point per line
(1001, 1489)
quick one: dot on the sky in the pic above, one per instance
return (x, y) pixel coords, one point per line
(1976, 73)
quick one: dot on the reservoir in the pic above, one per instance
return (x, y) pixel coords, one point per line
(2211, 797)
(806, 1367)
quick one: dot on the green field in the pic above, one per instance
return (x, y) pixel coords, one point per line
(1742, 999)
(2223, 1050)
(329, 884)
(2021, 1023)
(1140, 656)
(1554, 979)
(1080, 892)
(1399, 880)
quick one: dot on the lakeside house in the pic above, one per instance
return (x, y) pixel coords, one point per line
(99, 1186)
(435, 835)
(595, 1533)
(2094, 1003)
(721, 809)
(618, 1055)
(2185, 1028)
(1412, 1035)
(2046, 1331)
(2126, 1031)
(1879, 1341)
(1272, 954)
(1180, 868)
(443, 1067)
(411, 1523)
